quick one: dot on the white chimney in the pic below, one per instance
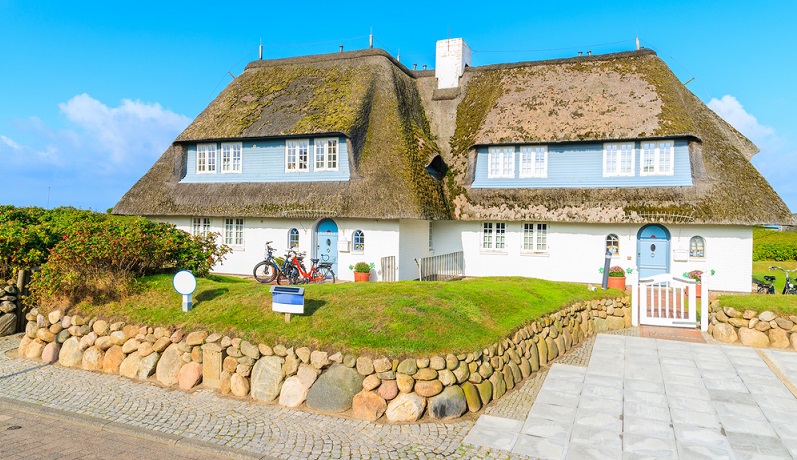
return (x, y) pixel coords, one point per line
(451, 58)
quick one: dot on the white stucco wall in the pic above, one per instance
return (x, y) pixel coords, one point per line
(576, 251)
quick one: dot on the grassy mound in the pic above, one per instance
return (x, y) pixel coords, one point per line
(407, 317)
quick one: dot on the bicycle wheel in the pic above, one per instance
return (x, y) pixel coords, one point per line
(289, 275)
(763, 290)
(264, 272)
(328, 274)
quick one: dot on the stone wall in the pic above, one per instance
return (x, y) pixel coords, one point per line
(9, 298)
(752, 329)
(400, 390)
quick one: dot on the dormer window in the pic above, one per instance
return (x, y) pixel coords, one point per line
(297, 153)
(326, 154)
(501, 162)
(618, 159)
(206, 159)
(656, 158)
(231, 157)
(534, 161)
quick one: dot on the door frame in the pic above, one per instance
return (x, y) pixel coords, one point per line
(316, 241)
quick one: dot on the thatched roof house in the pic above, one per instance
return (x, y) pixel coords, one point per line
(395, 121)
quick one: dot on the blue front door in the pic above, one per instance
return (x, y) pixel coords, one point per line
(327, 243)
(653, 251)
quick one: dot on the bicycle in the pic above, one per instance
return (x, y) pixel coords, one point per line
(318, 273)
(266, 270)
(789, 287)
(768, 287)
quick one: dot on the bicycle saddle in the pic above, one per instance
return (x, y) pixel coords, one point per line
(769, 278)
(314, 261)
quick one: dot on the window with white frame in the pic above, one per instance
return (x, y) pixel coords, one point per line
(297, 152)
(535, 237)
(326, 154)
(494, 236)
(293, 238)
(656, 158)
(534, 161)
(206, 158)
(501, 162)
(358, 242)
(200, 226)
(618, 159)
(234, 232)
(697, 247)
(231, 157)
(613, 244)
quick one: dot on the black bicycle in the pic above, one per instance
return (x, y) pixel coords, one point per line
(267, 270)
(768, 286)
(788, 287)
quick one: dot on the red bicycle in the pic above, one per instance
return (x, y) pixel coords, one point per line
(318, 272)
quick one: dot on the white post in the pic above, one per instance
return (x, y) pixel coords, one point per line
(635, 297)
(704, 302)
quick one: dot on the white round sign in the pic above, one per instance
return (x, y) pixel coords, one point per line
(184, 282)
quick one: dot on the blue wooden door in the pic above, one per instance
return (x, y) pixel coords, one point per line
(653, 251)
(327, 243)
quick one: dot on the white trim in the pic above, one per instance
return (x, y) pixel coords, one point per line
(501, 162)
(323, 143)
(231, 166)
(616, 169)
(296, 144)
(528, 161)
(209, 158)
(490, 238)
(663, 157)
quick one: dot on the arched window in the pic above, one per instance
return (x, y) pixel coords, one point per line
(358, 241)
(613, 244)
(697, 247)
(293, 238)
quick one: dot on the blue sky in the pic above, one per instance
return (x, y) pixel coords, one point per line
(91, 93)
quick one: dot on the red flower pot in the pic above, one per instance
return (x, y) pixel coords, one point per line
(362, 277)
(617, 282)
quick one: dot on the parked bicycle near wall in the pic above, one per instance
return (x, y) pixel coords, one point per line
(768, 286)
(318, 272)
(788, 287)
(266, 271)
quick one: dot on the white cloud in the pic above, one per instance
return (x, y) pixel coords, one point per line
(730, 109)
(132, 130)
(98, 153)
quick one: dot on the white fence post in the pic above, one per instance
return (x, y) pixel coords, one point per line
(704, 301)
(635, 297)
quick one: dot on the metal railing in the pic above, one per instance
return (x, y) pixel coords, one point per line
(388, 268)
(442, 267)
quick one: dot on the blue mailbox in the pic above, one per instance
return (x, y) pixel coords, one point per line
(287, 299)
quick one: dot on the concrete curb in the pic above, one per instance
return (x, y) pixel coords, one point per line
(131, 431)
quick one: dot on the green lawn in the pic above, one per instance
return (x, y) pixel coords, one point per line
(786, 304)
(407, 317)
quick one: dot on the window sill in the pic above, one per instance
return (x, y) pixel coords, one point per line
(497, 252)
(697, 259)
(535, 254)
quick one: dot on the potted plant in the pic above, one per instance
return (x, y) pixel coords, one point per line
(616, 278)
(696, 275)
(362, 271)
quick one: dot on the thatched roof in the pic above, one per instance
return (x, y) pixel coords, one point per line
(396, 122)
(365, 95)
(622, 96)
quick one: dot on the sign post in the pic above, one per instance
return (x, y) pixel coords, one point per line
(185, 284)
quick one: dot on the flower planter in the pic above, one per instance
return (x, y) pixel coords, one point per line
(362, 277)
(617, 282)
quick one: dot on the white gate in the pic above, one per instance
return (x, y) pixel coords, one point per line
(667, 300)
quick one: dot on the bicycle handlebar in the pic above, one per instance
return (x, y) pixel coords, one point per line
(775, 267)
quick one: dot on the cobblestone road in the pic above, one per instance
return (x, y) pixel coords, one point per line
(256, 429)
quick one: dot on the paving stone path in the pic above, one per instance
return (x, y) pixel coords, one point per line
(651, 398)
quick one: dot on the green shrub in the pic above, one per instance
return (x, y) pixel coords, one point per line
(99, 261)
(774, 245)
(362, 267)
